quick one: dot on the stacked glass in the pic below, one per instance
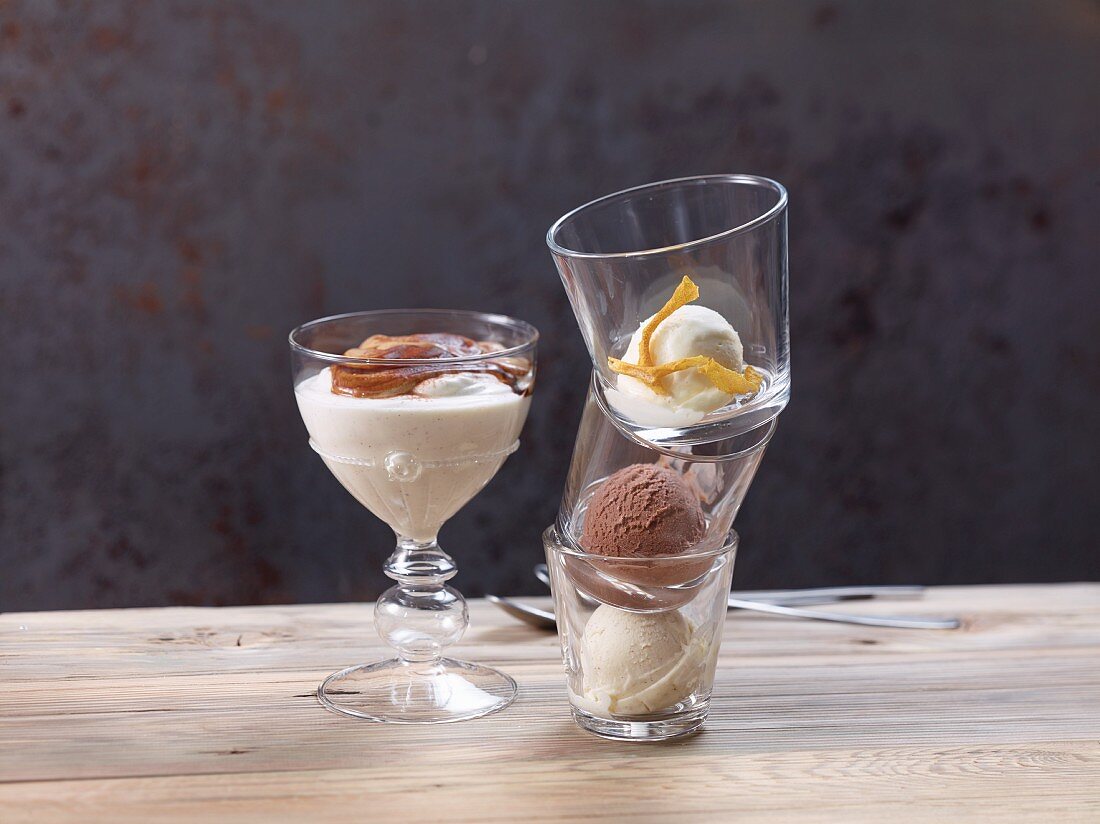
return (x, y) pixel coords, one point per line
(640, 634)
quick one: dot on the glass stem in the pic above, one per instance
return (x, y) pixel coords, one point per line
(420, 616)
(420, 563)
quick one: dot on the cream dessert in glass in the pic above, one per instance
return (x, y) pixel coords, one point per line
(414, 411)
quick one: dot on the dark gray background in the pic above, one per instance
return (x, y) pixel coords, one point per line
(181, 183)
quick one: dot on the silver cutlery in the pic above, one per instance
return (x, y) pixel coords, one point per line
(539, 618)
(798, 597)
(545, 619)
(832, 593)
(897, 621)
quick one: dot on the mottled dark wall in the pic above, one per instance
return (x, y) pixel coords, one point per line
(181, 183)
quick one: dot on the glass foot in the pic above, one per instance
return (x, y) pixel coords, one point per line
(660, 729)
(399, 692)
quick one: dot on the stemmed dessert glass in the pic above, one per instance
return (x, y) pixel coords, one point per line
(414, 462)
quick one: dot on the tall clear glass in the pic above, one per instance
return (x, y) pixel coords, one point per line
(414, 462)
(639, 624)
(621, 256)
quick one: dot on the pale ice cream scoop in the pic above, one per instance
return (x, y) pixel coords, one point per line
(689, 331)
(635, 663)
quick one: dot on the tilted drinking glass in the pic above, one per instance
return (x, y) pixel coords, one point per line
(620, 257)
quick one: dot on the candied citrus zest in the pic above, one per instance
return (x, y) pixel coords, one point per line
(642, 373)
(729, 381)
(685, 293)
(723, 378)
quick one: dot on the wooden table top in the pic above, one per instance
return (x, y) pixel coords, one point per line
(209, 714)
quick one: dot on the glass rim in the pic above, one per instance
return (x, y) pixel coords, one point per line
(521, 326)
(676, 449)
(752, 180)
(552, 538)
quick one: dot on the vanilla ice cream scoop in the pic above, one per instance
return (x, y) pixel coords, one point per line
(635, 663)
(689, 331)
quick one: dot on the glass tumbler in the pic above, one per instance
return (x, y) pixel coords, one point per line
(645, 673)
(620, 258)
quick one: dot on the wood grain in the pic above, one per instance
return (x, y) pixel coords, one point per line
(182, 714)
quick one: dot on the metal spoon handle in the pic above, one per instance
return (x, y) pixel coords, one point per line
(815, 595)
(788, 595)
(541, 618)
(898, 621)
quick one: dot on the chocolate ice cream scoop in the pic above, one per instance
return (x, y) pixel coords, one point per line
(640, 519)
(641, 511)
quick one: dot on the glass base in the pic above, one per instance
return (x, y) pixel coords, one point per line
(658, 729)
(399, 692)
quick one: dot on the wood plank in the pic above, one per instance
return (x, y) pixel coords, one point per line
(179, 713)
(995, 783)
